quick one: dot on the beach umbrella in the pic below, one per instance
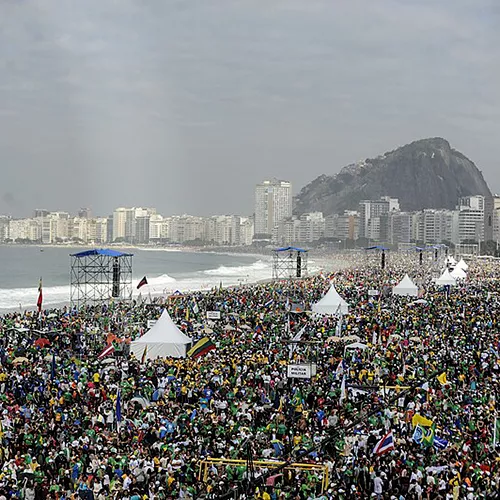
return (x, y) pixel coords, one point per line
(207, 330)
(352, 338)
(421, 301)
(333, 339)
(20, 360)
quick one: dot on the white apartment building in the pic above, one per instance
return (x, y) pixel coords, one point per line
(372, 217)
(471, 217)
(435, 226)
(159, 228)
(311, 227)
(246, 231)
(400, 228)
(273, 203)
(286, 231)
(496, 218)
(25, 229)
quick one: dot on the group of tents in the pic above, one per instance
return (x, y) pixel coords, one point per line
(166, 339)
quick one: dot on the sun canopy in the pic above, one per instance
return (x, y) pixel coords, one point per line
(446, 279)
(406, 288)
(101, 251)
(332, 303)
(164, 339)
(462, 265)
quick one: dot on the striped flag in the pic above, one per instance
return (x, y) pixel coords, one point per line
(385, 445)
(110, 349)
(203, 346)
(143, 282)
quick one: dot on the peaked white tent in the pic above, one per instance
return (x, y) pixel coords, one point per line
(446, 279)
(406, 288)
(450, 261)
(458, 273)
(331, 303)
(162, 340)
(462, 265)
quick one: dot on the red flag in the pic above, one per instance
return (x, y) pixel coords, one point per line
(143, 282)
(40, 296)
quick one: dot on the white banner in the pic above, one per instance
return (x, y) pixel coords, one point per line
(213, 314)
(301, 371)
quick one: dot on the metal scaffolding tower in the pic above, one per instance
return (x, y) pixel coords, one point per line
(289, 262)
(98, 276)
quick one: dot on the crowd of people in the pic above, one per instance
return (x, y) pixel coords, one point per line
(402, 403)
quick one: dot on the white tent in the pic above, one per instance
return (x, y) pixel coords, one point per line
(462, 265)
(331, 303)
(446, 279)
(450, 261)
(459, 274)
(162, 340)
(406, 288)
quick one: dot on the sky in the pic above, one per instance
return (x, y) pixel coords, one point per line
(186, 105)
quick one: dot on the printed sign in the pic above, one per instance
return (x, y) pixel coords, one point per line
(213, 314)
(301, 371)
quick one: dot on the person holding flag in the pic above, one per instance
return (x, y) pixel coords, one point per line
(40, 297)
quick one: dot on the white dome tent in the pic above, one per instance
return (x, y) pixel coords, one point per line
(406, 288)
(164, 339)
(462, 265)
(331, 304)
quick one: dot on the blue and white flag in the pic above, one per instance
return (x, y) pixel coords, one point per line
(118, 408)
(418, 434)
(440, 443)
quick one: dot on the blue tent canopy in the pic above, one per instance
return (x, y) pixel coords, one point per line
(101, 251)
(288, 249)
(377, 247)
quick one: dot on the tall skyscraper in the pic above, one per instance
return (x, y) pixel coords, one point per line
(273, 203)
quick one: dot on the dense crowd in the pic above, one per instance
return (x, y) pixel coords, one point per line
(403, 403)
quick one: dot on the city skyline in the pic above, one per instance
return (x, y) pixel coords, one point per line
(180, 106)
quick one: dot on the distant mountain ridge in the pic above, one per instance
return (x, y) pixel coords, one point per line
(424, 174)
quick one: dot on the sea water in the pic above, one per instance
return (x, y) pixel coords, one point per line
(21, 268)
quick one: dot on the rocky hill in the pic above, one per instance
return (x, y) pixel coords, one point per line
(424, 174)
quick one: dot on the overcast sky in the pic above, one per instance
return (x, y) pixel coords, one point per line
(184, 105)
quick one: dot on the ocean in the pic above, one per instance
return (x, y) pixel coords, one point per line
(167, 271)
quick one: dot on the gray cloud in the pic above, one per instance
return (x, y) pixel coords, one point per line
(185, 105)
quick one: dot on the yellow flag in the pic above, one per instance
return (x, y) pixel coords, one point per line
(442, 378)
(422, 421)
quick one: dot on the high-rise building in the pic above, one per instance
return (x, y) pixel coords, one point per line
(119, 223)
(496, 218)
(84, 213)
(273, 203)
(471, 219)
(142, 229)
(4, 228)
(40, 212)
(311, 227)
(372, 223)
